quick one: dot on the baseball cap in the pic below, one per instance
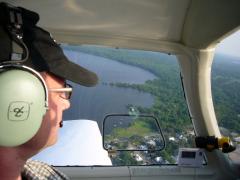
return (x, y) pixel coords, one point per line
(44, 53)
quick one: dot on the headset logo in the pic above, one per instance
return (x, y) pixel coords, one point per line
(18, 111)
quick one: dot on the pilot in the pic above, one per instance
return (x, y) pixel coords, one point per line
(33, 94)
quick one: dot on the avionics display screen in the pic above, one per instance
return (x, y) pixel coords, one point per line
(187, 154)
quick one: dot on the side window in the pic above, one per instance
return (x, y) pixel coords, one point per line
(226, 89)
(131, 81)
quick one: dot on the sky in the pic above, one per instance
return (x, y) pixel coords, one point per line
(230, 45)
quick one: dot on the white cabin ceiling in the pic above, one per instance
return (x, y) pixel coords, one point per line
(194, 23)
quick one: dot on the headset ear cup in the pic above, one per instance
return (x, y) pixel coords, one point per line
(22, 106)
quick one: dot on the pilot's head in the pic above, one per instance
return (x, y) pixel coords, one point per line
(33, 94)
(47, 58)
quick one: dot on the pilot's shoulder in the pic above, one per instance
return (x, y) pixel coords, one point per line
(39, 170)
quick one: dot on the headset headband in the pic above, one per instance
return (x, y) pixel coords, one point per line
(13, 23)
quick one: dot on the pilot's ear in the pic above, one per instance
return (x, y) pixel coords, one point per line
(23, 102)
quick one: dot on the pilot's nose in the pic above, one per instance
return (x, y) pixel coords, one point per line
(66, 104)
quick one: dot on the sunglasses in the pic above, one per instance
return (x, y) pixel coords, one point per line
(65, 92)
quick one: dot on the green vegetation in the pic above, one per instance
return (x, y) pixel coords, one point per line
(226, 92)
(169, 104)
(133, 134)
(137, 127)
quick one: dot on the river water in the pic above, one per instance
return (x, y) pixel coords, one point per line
(96, 102)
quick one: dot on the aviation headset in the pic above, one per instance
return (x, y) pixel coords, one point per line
(23, 92)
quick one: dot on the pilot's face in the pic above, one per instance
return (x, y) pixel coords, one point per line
(48, 132)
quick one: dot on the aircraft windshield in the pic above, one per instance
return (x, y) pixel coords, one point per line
(131, 82)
